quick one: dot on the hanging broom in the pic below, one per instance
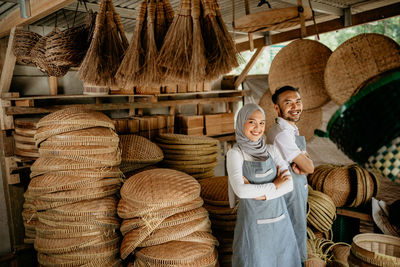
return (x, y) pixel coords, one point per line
(176, 52)
(220, 49)
(134, 58)
(198, 62)
(105, 52)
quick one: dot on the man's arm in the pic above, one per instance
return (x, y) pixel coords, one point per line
(304, 163)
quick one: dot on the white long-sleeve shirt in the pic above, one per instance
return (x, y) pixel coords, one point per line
(234, 164)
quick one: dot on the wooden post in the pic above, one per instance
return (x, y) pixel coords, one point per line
(248, 67)
(302, 19)
(53, 85)
(247, 8)
(8, 65)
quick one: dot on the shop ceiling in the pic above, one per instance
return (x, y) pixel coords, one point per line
(330, 15)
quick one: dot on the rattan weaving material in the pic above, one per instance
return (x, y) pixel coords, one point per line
(181, 139)
(160, 188)
(138, 149)
(214, 190)
(192, 168)
(23, 139)
(26, 132)
(26, 153)
(89, 253)
(305, 73)
(45, 231)
(358, 60)
(108, 223)
(25, 146)
(192, 161)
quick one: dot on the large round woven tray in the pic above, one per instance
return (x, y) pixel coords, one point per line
(160, 188)
(301, 64)
(214, 190)
(181, 139)
(45, 132)
(137, 149)
(358, 60)
(310, 120)
(269, 110)
(368, 120)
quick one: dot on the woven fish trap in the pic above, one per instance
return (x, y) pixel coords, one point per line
(310, 120)
(214, 190)
(182, 139)
(176, 219)
(92, 136)
(200, 237)
(63, 245)
(357, 61)
(376, 249)
(305, 73)
(38, 55)
(338, 186)
(163, 235)
(73, 116)
(55, 151)
(133, 238)
(100, 172)
(24, 41)
(67, 48)
(160, 188)
(137, 149)
(174, 253)
(128, 211)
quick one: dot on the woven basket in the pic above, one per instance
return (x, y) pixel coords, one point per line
(358, 60)
(306, 72)
(338, 185)
(160, 188)
(376, 249)
(137, 149)
(369, 120)
(24, 41)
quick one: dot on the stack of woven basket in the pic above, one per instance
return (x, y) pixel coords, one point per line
(214, 192)
(163, 214)
(321, 212)
(138, 152)
(195, 155)
(321, 251)
(349, 185)
(73, 187)
(25, 130)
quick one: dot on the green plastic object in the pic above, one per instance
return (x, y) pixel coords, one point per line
(369, 120)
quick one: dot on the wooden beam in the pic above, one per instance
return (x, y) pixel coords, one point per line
(320, 7)
(39, 9)
(248, 67)
(328, 26)
(124, 12)
(8, 65)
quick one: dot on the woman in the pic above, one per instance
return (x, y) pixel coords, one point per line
(263, 235)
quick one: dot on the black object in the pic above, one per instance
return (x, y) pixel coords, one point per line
(264, 2)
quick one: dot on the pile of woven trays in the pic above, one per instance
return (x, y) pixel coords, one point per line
(214, 192)
(25, 130)
(164, 223)
(138, 152)
(349, 185)
(321, 213)
(73, 189)
(194, 155)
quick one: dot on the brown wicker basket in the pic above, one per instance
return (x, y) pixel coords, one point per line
(24, 41)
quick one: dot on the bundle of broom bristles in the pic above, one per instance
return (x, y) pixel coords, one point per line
(194, 45)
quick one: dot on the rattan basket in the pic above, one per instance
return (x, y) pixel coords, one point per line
(306, 72)
(358, 60)
(24, 41)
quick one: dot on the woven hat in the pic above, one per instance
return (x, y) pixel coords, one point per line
(310, 121)
(214, 190)
(91, 136)
(301, 64)
(268, 106)
(380, 214)
(358, 60)
(181, 139)
(101, 172)
(160, 188)
(137, 149)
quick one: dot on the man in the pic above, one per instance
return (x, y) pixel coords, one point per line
(285, 136)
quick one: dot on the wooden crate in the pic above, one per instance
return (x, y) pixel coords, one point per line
(217, 124)
(190, 124)
(192, 131)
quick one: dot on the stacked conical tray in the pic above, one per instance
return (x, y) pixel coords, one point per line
(25, 130)
(162, 210)
(214, 192)
(322, 211)
(72, 190)
(194, 155)
(138, 152)
(349, 185)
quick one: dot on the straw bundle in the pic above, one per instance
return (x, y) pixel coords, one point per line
(179, 150)
(160, 206)
(24, 41)
(106, 49)
(72, 192)
(349, 185)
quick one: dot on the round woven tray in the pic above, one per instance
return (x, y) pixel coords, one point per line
(190, 168)
(191, 161)
(201, 158)
(201, 237)
(137, 149)
(55, 151)
(190, 153)
(45, 132)
(27, 123)
(310, 120)
(301, 64)
(358, 60)
(181, 139)
(101, 172)
(207, 147)
(92, 136)
(160, 188)
(203, 175)
(214, 190)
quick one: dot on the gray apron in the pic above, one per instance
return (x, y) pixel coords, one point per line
(296, 202)
(263, 234)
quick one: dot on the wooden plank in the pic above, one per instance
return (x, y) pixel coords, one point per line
(328, 26)
(10, 95)
(12, 178)
(116, 106)
(6, 121)
(39, 9)
(53, 85)
(8, 66)
(302, 19)
(354, 214)
(25, 103)
(249, 66)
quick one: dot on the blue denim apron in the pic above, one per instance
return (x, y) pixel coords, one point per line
(263, 234)
(296, 202)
